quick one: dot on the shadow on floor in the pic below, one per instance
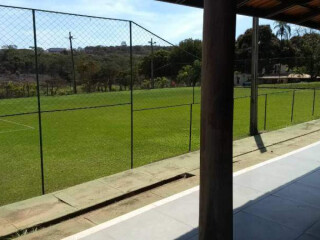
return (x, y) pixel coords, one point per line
(290, 211)
(192, 235)
(260, 143)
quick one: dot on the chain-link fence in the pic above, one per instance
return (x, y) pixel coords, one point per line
(84, 97)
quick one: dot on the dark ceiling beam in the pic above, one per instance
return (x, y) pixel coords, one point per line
(241, 3)
(281, 17)
(275, 13)
(314, 12)
(284, 6)
(190, 3)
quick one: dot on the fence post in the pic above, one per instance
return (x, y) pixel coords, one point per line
(292, 108)
(265, 111)
(190, 130)
(314, 101)
(193, 93)
(131, 91)
(73, 67)
(38, 97)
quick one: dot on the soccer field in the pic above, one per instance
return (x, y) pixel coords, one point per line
(84, 140)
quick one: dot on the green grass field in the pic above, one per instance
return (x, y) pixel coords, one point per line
(86, 144)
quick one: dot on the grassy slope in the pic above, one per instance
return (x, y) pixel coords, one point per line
(86, 144)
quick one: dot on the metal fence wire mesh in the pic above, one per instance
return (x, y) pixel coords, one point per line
(84, 97)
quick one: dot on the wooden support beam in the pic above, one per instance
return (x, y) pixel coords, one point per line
(216, 213)
(254, 78)
(285, 5)
(314, 12)
(241, 3)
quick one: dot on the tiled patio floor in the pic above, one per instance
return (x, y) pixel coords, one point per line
(278, 199)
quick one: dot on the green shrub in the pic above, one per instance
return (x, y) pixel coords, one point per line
(162, 82)
(145, 84)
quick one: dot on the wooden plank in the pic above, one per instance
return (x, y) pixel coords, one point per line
(241, 3)
(314, 12)
(275, 13)
(216, 213)
(285, 5)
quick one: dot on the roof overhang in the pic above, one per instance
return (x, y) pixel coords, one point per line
(301, 12)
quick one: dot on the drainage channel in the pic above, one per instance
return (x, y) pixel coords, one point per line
(95, 207)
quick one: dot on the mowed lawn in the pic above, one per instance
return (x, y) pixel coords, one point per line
(85, 144)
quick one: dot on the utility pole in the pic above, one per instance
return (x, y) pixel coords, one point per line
(152, 65)
(73, 67)
(254, 78)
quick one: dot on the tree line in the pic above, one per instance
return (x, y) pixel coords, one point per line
(106, 68)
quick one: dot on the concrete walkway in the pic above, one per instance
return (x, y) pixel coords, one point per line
(93, 202)
(278, 200)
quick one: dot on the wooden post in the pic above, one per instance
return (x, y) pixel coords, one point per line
(254, 78)
(216, 214)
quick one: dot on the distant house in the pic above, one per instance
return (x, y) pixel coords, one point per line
(289, 78)
(56, 50)
(241, 78)
(282, 68)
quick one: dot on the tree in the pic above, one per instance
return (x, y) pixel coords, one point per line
(87, 69)
(311, 53)
(269, 47)
(188, 51)
(161, 64)
(283, 30)
(190, 74)
(108, 73)
(124, 79)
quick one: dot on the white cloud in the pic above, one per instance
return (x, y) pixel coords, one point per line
(173, 23)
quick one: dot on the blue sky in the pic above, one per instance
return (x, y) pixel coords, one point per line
(172, 22)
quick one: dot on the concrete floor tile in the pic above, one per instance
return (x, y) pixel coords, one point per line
(120, 208)
(290, 168)
(185, 209)
(6, 228)
(307, 237)
(149, 225)
(244, 196)
(260, 180)
(315, 230)
(312, 179)
(59, 231)
(285, 212)
(247, 227)
(251, 159)
(88, 194)
(302, 193)
(129, 181)
(192, 235)
(99, 235)
(176, 186)
(162, 170)
(35, 211)
(196, 237)
(309, 154)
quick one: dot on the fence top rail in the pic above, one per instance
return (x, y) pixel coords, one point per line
(274, 58)
(98, 17)
(65, 13)
(263, 94)
(173, 45)
(283, 88)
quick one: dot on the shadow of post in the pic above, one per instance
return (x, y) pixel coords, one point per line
(260, 143)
